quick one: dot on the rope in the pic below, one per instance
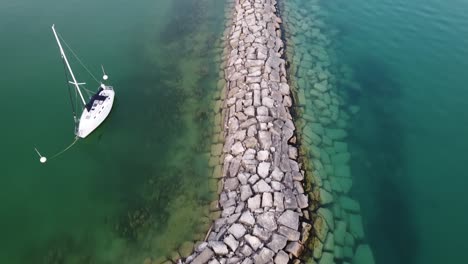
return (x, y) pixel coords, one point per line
(67, 148)
(82, 64)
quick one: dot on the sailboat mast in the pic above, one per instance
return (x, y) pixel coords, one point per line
(68, 65)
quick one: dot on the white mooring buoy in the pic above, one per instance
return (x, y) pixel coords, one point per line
(42, 159)
(105, 77)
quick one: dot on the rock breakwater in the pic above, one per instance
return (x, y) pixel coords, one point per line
(261, 196)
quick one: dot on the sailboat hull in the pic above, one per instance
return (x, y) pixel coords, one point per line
(96, 112)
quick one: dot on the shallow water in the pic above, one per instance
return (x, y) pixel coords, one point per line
(408, 141)
(127, 191)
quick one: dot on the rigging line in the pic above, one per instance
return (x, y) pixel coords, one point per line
(74, 54)
(67, 148)
(69, 93)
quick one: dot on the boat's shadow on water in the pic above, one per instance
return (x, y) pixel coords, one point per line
(379, 165)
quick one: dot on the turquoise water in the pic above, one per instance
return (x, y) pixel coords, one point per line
(409, 139)
(126, 192)
(398, 69)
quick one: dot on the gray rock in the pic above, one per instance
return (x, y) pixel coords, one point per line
(263, 155)
(263, 169)
(243, 178)
(264, 256)
(237, 148)
(219, 247)
(276, 186)
(277, 242)
(277, 174)
(253, 241)
(281, 257)
(278, 201)
(201, 247)
(246, 250)
(231, 184)
(290, 201)
(262, 111)
(253, 179)
(261, 186)
(214, 261)
(248, 123)
(302, 201)
(233, 218)
(265, 139)
(261, 233)
(247, 218)
(289, 219)
(234, 167)
(231, 242)
(267, 200)
(267, 220)
(295, 248)
(254, 202)
(268, 102)
(290, 234)
(245, 192)
(203, 258)
(237, 230)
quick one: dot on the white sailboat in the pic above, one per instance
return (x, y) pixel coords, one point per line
(97, 107)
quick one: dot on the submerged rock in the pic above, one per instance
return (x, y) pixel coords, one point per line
(363, 255)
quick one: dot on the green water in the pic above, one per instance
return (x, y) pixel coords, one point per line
(138, 186)
(409, 139)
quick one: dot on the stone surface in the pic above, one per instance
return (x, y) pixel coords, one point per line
(253, 241)
(257, 171)
(231, 242)
(295, 248)
(218, 247)
(267, 220)
(355, 226)
(263, 169)
(237, 230)
(203, 258)
(264, 256)
(289, 219)
(254, 202)
(281, 258)
(290, 234)
(247, 219)
(277, 242)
